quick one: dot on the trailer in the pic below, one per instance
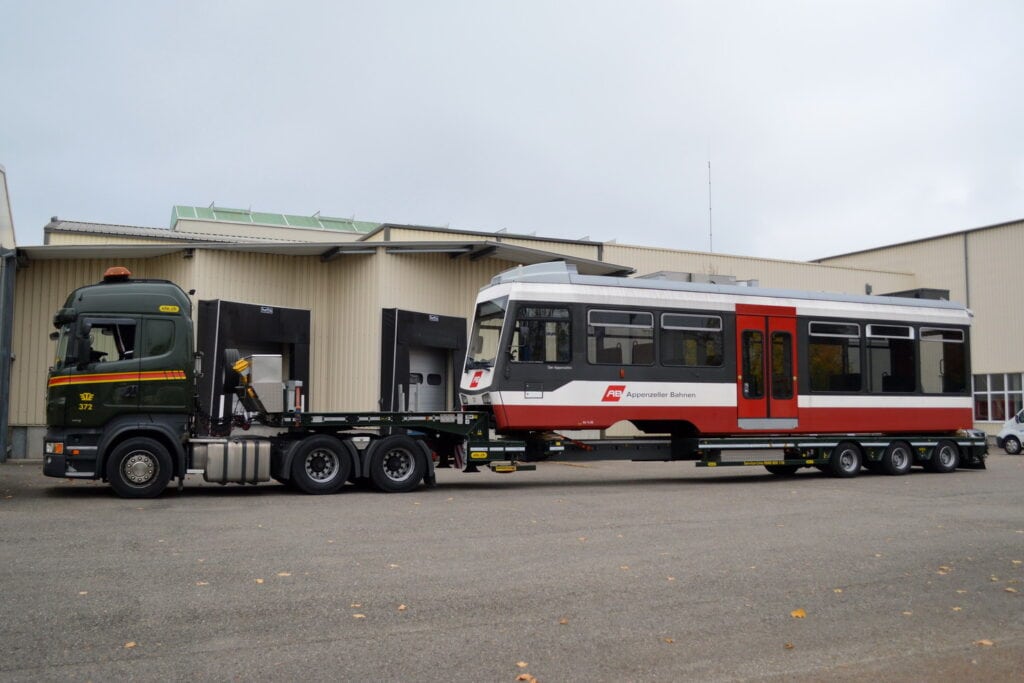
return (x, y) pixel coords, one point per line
(122, 400)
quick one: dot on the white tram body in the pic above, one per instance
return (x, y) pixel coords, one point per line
(554, 350)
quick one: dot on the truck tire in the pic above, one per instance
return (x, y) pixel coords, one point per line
(139, 467)
(898, 458)
(945, 457)
(845, 460)
(320, 464)
(397, 464)
(1011, 445)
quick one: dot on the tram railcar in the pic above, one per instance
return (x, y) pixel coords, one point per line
(551, 349)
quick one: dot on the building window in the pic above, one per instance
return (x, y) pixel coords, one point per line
(997, 396)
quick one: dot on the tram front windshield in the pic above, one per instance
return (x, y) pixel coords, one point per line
(486, 333)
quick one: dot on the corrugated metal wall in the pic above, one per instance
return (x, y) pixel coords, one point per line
(994, 259)
(55, 237)
(936, 263)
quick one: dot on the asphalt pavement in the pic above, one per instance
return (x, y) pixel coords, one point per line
(580, 571)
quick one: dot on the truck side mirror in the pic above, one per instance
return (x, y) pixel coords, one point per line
(64, 316)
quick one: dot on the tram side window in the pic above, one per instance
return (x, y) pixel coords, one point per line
(541, 335)
(620, 337)
(891, 359)
(691, 340)
(943, 361)
(833, 353)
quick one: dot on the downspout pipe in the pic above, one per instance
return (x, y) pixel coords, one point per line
(8, 266)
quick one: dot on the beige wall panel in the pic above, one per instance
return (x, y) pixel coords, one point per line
(768, 273)
(345, 321)
(994, 265)
(345, 344)
(587, 251)
(452, 285)
(54, 238)
(408, 235)
(937, 263)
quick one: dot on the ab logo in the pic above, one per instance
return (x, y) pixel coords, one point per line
(614, 392)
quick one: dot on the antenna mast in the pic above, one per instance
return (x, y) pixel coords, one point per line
(711, 244)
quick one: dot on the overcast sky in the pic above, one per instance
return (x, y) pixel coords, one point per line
(830, 126)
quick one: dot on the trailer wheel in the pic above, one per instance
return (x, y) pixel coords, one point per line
(320, 464)
(139, 468)
(1011, 445)
(397, 464)
(898, 458)
(782, 470)
(945, 457)
(845, 460)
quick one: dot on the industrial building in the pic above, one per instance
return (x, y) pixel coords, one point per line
(373, 316)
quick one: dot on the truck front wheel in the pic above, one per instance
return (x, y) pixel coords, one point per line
(139, 468)
(321, 464)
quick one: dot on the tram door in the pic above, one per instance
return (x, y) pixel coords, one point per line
(766, 367)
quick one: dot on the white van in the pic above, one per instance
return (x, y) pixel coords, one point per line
(1012, 434)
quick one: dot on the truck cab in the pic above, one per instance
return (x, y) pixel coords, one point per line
(121, 388)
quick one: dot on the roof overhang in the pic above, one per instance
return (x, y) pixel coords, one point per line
(472, 250)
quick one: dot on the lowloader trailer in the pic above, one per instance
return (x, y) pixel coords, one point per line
(122, 406)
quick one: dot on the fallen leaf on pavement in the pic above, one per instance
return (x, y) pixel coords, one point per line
(798, 613)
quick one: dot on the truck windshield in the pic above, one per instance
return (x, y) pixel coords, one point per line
(486, 332)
